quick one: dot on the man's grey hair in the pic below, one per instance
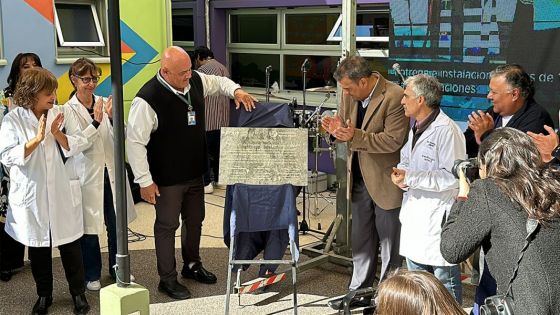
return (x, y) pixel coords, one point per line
(428, 87)
(353, 68)
(517, 78)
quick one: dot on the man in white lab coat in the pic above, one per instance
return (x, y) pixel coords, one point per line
(424, 173)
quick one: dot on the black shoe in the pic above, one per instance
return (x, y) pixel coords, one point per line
(174, 290)
(198, 273)
(41, 307)
(338, 304)
(5, 275)
(81, 305)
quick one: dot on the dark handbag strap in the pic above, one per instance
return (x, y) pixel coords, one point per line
(532, 229)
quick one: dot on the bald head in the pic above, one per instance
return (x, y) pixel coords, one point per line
(176, 67)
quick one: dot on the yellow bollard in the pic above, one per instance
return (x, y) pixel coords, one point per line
(133, 299)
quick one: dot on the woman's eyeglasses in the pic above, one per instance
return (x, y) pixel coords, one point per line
(87, 80)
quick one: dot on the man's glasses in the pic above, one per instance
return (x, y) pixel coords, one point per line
(492, 92)
(87, 80)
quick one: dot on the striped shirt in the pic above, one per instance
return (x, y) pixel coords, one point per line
(217, 106)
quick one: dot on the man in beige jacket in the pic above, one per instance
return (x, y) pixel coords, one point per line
(372, 122)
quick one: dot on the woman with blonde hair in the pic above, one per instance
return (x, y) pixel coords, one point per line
(45, 203)
(415, 293)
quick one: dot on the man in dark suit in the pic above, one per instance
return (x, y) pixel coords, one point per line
(371, 121)
(511, 93)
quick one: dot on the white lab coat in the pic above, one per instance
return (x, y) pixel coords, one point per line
(432, 189)
(45, 203)
(90, 163)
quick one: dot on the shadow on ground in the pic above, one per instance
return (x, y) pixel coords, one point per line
(316, 286)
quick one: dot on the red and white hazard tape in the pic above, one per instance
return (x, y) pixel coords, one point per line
(263, 283)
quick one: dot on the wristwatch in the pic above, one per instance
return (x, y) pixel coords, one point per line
(556, 152)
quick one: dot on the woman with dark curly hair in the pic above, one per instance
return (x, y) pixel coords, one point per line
(515, 185)
(11, 251)
(22, 62)
(45, 202)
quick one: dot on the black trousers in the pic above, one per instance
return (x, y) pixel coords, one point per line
(186, 200)
(11, 251)
(41, 267)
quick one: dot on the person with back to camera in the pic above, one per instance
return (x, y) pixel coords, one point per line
(515, 185)
(45, 202)
(216, 114)
(95, 167)
(11, 251)
(415, 293)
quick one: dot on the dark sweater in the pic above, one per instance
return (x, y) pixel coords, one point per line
(176, 151)
(489, 218)
(530, 117)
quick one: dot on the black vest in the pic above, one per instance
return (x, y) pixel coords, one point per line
(176, 151)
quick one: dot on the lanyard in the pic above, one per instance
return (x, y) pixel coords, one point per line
(186, 98)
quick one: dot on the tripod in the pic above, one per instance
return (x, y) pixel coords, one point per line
(315, 128)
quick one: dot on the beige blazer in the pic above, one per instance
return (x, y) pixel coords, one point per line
(377, 141)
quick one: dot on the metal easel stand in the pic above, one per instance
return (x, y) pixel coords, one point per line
(239, 290)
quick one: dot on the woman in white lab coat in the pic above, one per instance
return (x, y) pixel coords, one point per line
(11, 252)
(94, 167)
(45, 203)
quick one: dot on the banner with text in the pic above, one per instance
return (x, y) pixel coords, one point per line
(460, 42)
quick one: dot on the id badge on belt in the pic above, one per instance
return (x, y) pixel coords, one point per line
(191, 119)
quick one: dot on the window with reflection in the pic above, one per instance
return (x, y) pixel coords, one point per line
(310, 29)
(254, 28)
(77, 24)
(249, 69)
(372, 45)
(182, 23)
(319, 72)
(368, 24)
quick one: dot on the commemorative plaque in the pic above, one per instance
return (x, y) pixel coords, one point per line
(263, 156)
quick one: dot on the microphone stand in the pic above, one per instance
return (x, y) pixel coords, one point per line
(304, 75)
(267, 75)
(316, 150)
(303, 226)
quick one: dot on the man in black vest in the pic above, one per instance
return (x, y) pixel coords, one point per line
(167, 152)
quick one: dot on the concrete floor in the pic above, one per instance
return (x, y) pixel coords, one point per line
(315, 286)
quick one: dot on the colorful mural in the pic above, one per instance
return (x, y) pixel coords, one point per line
(144, 33)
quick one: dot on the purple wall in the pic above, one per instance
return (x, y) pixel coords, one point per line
(218, 33)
